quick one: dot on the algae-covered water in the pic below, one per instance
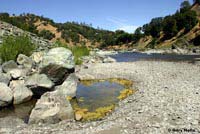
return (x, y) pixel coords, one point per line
(97, 98)
(98, 94)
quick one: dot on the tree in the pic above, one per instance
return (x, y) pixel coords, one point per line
(170, 27)
(185, 6)
(196, 1)
(138, 34)
(154, 27)
(186, 20)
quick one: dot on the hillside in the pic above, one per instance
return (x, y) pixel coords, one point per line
(71, 33)
(181, 29)
(7, 29)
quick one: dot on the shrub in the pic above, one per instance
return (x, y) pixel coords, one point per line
(13, 46)
(46, 34)
(78, 52)
(196, 41)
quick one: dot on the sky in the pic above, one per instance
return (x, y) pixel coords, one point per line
(125, 15)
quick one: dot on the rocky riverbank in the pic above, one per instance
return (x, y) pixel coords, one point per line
(167, 99)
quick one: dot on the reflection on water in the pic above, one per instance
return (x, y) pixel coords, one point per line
(21, 111)
(134, 56)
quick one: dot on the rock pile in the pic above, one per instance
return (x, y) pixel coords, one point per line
(46, 75)
(7, 29)
(98, 56)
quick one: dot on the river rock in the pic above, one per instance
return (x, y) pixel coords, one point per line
(1, 69)
(69, 86)
(15, 83)
(8, 66)
(50, 109)
(108, 60)
(17, 73)
(5, 78)
(78, 116)
(25, 61)
(37, 56)
(57, 64)
(197, 61)
(39, 83)
(6, 95)
(20, 92)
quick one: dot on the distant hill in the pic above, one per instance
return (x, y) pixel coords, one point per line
(71, 33)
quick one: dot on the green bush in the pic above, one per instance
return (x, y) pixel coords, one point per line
(13, 46)
(46, 34)
(78, 52)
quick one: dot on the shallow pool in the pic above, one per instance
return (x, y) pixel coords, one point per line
(96, 98)
(21, 111)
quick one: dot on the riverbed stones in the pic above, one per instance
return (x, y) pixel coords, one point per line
(8, 66)
(5, 78)
(25, 61)
(18, 73)
(78, 116)
(6, 95)
(1, 69)
(197, 61)
(50, 109)
(57, 64)
(108, 60)
(69, 86)
(39, 83)
(37, 56)
(21, 93)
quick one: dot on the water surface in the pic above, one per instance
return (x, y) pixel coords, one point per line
(135, 56)
(98, 94)
(21, 111)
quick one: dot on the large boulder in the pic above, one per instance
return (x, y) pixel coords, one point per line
(39, 83)
(25, 61)
(6, 95)
(51, 108)
(57, 64)
(69, 86)
(5, 78)
(8, 66)
(21, 93)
